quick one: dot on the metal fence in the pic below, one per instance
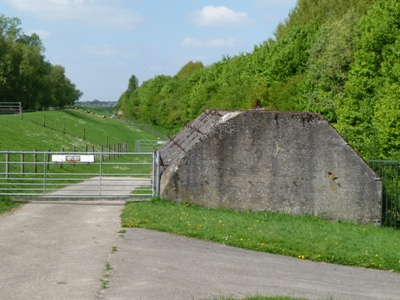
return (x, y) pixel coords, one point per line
(8, 108)
(78, 174)
(148, 145)
(389, 172)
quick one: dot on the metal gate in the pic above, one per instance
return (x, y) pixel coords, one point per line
(389, 172)
(79, 175)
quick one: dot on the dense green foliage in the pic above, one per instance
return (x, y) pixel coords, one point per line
(25, 74)
(334, 57)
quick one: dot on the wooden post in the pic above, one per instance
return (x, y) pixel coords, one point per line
(65, 124)
(22, 162)
(35, 161)
(61, 165)
(7, 165)
(109, 150)
(48, 160)
(84, 134)
(20, 110)
(44, 121)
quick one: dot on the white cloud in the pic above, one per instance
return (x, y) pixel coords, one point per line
(89, 11)
(105, 50)
(190, 42)
(213, 43)
(220, 16)
(273, 3)
(156, 68)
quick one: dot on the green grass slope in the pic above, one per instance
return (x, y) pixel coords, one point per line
(68, 130)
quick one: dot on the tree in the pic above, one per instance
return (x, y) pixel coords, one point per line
(25, 74)
(133, 83)
(376, 42)
(188, 69)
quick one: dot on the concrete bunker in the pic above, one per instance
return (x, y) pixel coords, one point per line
(263, 160)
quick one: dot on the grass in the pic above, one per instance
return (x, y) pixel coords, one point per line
(303, 237)
(66, 129)
(6, 204)
(63, 129)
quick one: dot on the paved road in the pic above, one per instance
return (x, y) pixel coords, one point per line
(60, 251)
(57, 251)
(153, 265)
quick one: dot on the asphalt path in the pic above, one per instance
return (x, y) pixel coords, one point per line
(65, 250)
(57, 250)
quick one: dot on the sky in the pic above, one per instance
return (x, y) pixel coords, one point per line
(101, 43)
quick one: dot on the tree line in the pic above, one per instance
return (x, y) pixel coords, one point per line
(339, 58)
(25, 74)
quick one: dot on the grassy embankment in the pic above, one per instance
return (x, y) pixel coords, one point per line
(69, 130)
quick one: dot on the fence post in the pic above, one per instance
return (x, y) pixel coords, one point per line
(22, 162)
(7, 165)
(48, 160)
(44, 171)
(35, 161)
(20, 110)
(156, 174)
(61, 165)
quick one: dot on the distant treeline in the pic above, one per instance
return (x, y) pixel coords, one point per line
(96, 103)
(25, 74)
(334, 57)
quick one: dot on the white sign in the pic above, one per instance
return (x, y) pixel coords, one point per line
(71, 158)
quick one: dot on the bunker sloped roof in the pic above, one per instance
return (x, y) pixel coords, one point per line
(198, 129)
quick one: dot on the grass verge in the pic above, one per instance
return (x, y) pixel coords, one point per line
(6, 204)
(303, 237)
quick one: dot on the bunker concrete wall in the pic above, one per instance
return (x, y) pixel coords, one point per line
(270, 161)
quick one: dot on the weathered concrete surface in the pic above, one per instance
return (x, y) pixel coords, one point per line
(270, 161)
